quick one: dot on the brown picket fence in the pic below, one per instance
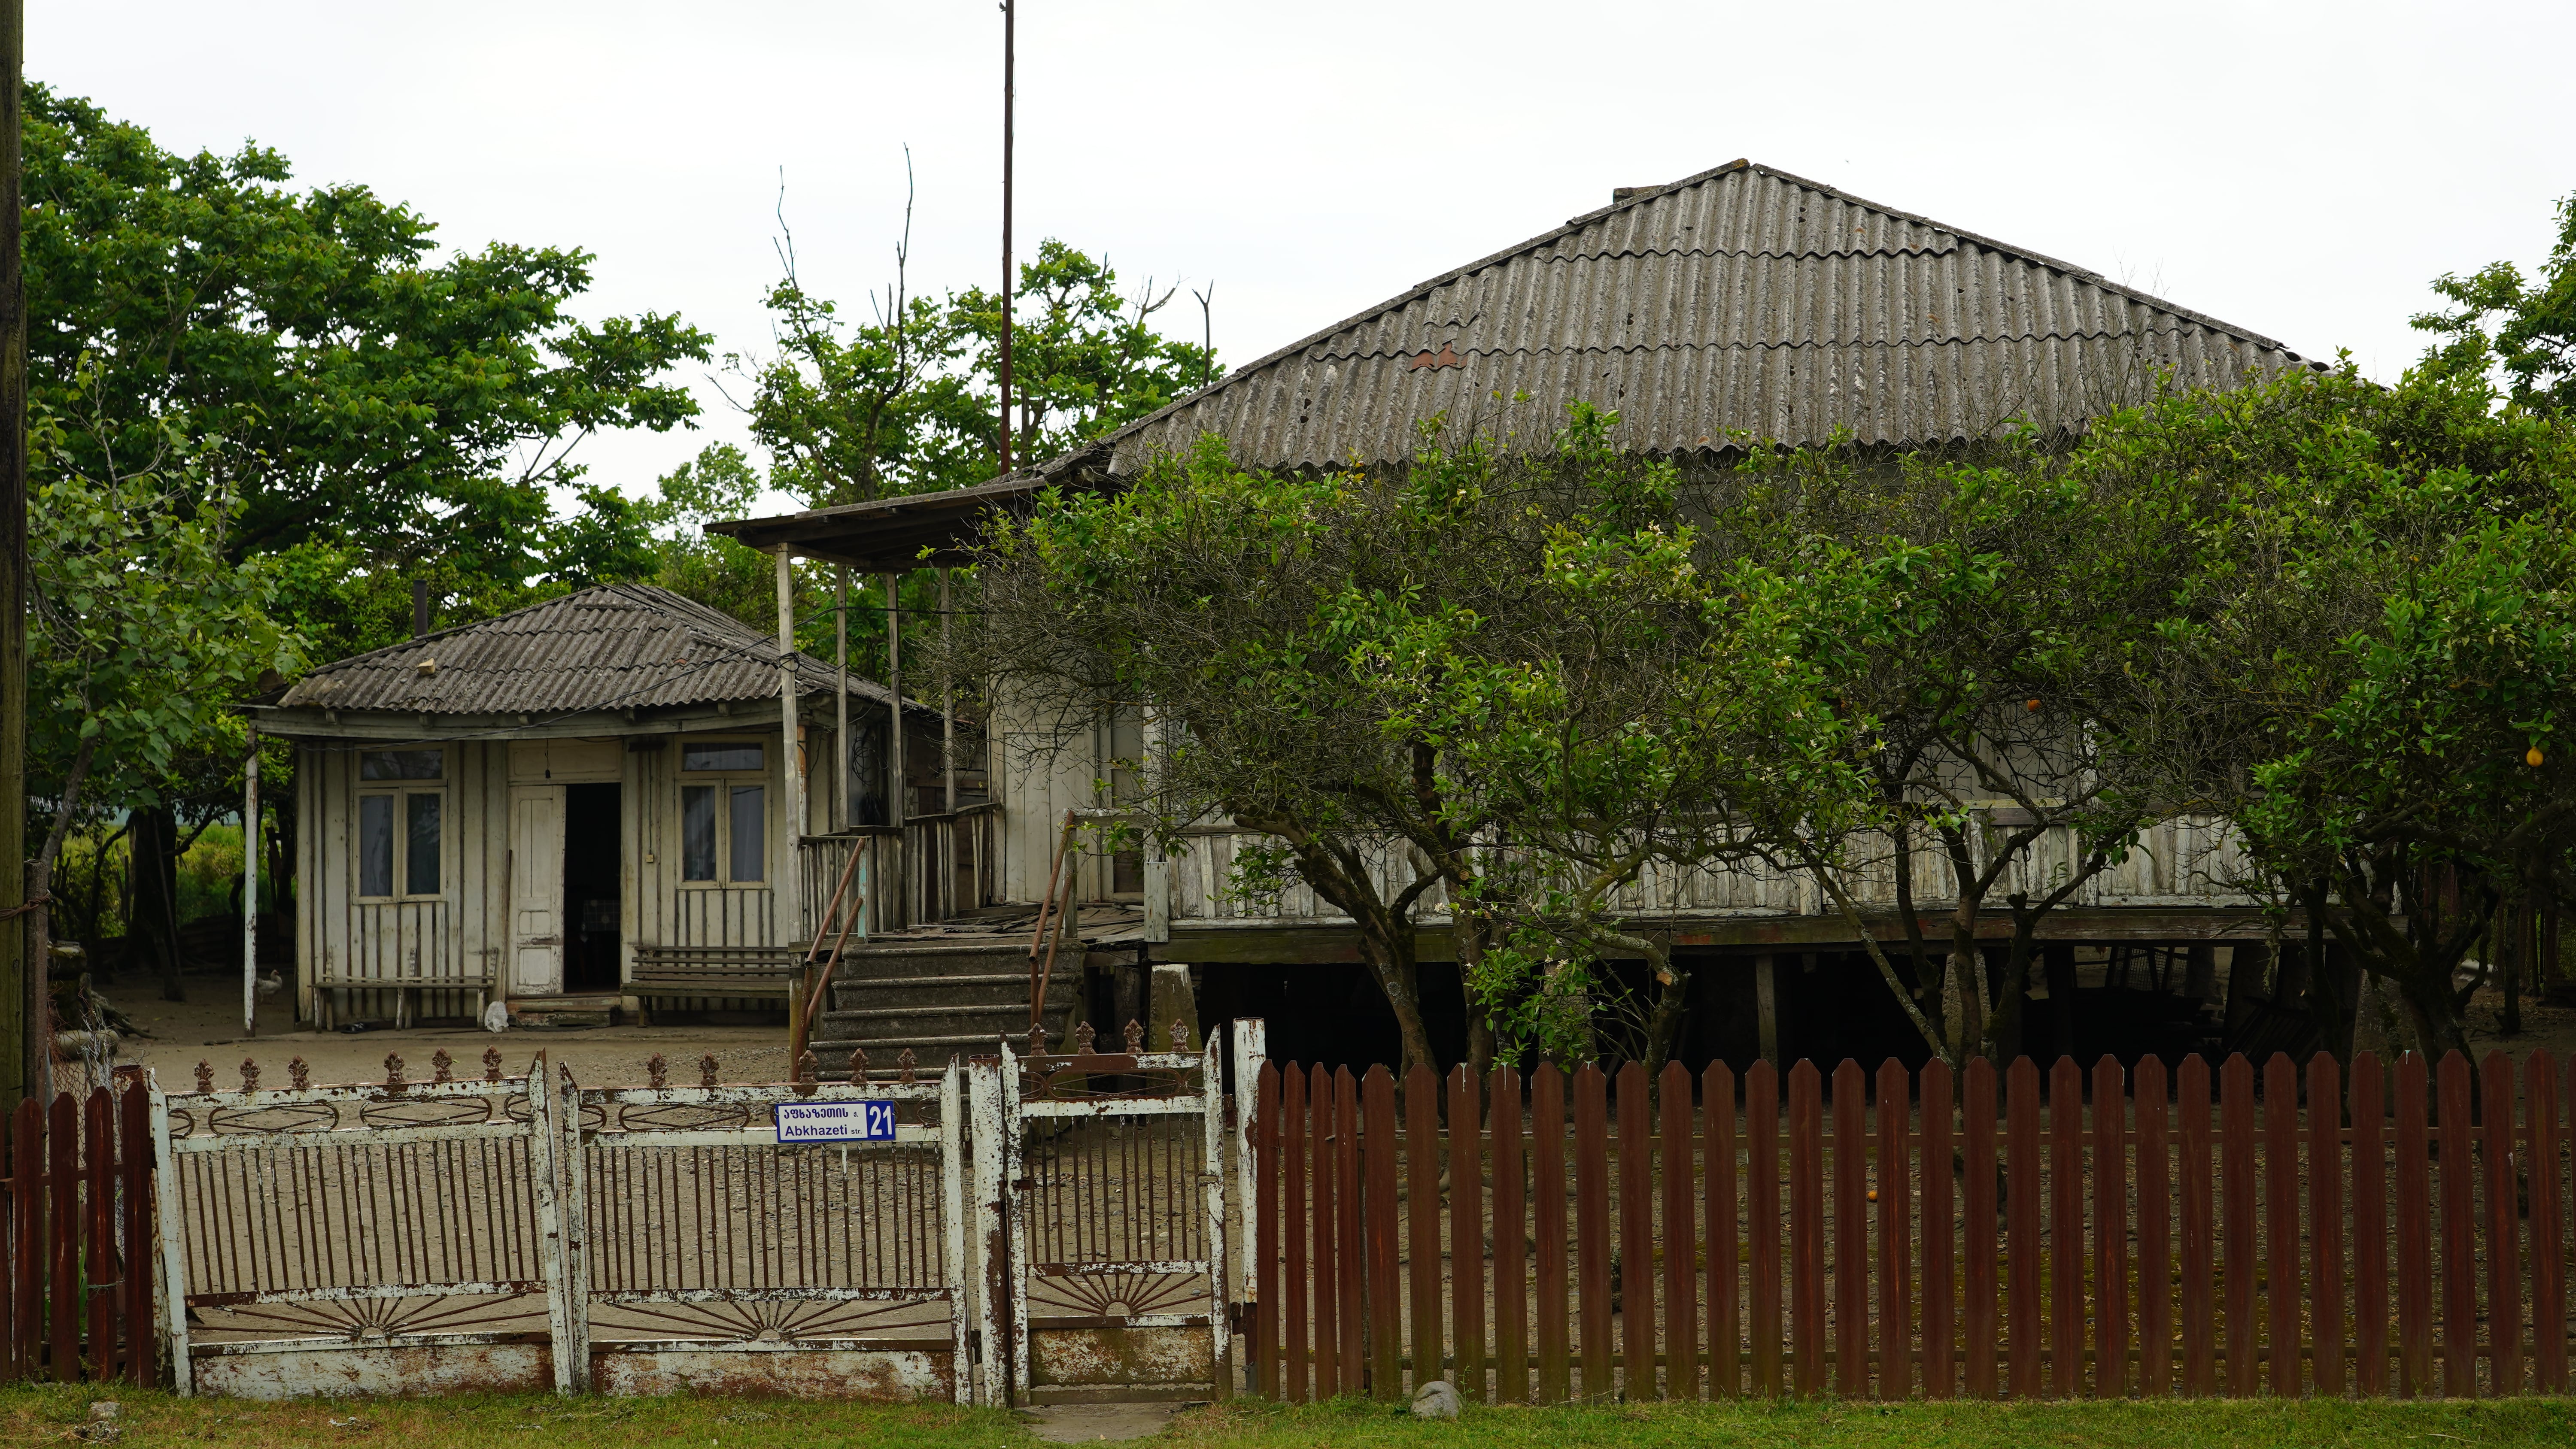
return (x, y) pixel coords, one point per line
(75, 1238)
(1981, 1233)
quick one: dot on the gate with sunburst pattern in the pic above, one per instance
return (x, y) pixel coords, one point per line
(1110, 1176)
(519, 1232)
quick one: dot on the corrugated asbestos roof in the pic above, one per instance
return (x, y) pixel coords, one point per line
(619, 646)
(1742, 300)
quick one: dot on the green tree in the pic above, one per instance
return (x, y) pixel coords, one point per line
(2526, 330)
(366, 393)
(146, 626)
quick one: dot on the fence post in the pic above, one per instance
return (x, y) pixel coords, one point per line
(1851, 1231)
(2281, 1219)
(2110, 1230)
(62, 1236)
(1978, 1113)
(136, 1135)
(1266, 1293)
(1762, 1215)
(173, 1243)
(2504, 1229)
(2459, 1232)
(1725, 1324)
(1354, 1249)
(2155, 1230)
(1511, 1241)
(1251, 1050)
(1940, 1240)
(1895, 1232)
(1680, 1239)
(2370, 1225)
(1636, 1237)
(2066, 1225)
(2414, 1232)
(2325, 1221)
(1466, 1235)
(1547, 1224)
(952, 1216)
(545, 1171)
(1592, 1228)
(1385, 1296)
(2022, 1167)
(2199, 1234)
(986, 1124)
(1422, 1200)
(1212, 1193)
(100, 1171)
(1807, 1228)
(2548, 1260)
(1295, 1227)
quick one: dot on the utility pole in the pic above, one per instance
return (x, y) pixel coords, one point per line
(26, 1035)
(1010, 60)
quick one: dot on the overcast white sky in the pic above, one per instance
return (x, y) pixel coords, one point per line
(2300, 169)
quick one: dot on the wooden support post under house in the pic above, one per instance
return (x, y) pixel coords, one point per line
(1766, 1006)
(947, 711)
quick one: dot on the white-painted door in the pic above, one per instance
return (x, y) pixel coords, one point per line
(536, 890)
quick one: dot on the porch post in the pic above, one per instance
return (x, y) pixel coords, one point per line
(250, 887)
(895, 804)
(947, 705)
(791, 797)
(841, 700)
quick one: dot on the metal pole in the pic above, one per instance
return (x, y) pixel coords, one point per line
(250, 889)
(792, 795)
(26, 1037)
(896, 806)
(1010, 61)
(841, 702)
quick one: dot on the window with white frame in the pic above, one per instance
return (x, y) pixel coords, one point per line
(724, 812)
(402, 816)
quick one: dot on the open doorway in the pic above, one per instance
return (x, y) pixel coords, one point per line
(593, 858)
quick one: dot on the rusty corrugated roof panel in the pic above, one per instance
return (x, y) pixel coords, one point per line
(619, 646)
(1740, 301)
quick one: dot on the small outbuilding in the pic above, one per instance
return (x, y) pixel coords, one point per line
(590, 804)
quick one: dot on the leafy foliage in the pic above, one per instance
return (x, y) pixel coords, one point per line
(2533, 341)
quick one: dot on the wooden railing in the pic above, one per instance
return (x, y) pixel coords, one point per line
(2185, 861)
(930, 868)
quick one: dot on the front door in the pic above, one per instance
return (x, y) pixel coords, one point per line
(536, 890)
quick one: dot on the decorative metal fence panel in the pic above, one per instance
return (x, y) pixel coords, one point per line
(381, 1238)
(2232, 1231)
(520, 1232)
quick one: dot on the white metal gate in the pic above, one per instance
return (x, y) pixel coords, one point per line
(1107, 1174)
(519, 1232)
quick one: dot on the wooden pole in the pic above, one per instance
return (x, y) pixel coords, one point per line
(895, 803)
(23, 1026)
(947, 704)
(841, 699)
(250, 888)
(791, 796)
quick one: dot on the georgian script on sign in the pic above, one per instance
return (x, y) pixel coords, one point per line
(836, 1122)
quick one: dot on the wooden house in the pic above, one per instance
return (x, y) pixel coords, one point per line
(1741, 302)
(614, 799)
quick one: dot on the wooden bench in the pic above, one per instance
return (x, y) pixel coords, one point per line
(714, 971)
(329, 994)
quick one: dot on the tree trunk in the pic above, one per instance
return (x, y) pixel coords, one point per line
(1664, 1022)
(155, 923)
